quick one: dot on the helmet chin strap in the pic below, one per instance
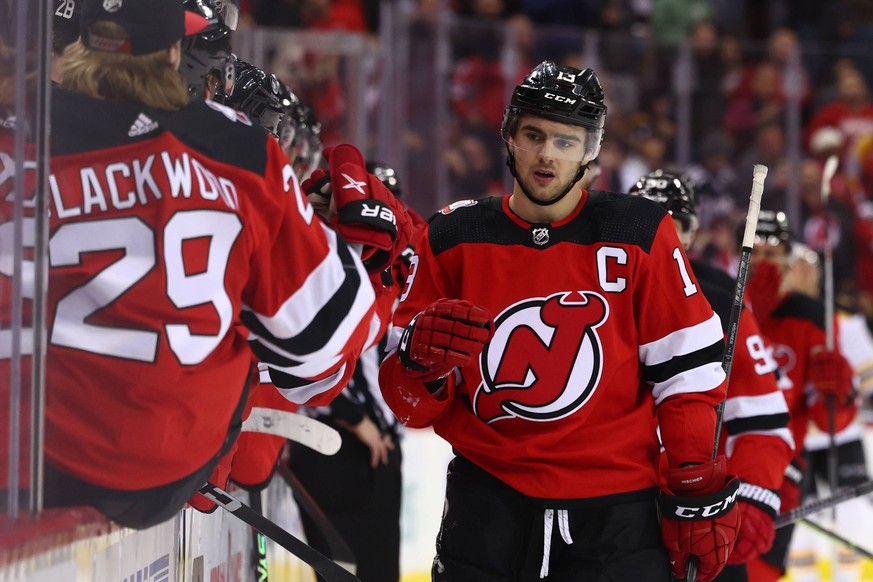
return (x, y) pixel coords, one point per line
(510, 162)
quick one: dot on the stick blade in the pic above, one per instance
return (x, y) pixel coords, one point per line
(295, 427)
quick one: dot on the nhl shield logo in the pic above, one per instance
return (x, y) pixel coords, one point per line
(111, 5)
(540, 236)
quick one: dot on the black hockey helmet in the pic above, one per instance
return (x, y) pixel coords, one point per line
(563, 94)
(772, 229)
(300, 134)
(207, 55)
(260, 95)
(673, 192)
(386, 175)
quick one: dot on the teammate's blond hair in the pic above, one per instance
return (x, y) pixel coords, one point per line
(148, 79)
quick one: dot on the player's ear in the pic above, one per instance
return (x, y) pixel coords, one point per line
(174, 54)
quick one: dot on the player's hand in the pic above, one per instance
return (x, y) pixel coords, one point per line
(360, 207)
(699, 517)
(448, 333)
(220, 476)
(830, 374)
(757, 529)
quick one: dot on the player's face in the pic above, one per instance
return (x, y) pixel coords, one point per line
(547, 155)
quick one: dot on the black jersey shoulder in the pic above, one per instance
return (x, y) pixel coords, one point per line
(801, 306)
(83, 124)
(606, 217)
(472, 221)
(619, 218)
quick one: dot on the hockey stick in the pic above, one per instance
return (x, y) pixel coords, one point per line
(339, 549)
(301, 429)
(812, 507)
(259, 547)
(827, 175)
(759, 174)
(324, 566)
(828, 533)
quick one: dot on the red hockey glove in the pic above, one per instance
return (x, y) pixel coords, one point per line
(219, 476)
(763, 289)
(448, 333)
(758, 507)
(830, 374)
(367, 213)
(699, 517)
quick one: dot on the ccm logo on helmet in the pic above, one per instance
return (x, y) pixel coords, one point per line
(560, 98)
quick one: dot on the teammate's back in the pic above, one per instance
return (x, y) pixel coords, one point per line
(178, 238)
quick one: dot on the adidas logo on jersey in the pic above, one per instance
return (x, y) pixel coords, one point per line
(143, 124)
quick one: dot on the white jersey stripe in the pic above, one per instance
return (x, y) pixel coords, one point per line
(298, 311)
(303, 394)
(750, 406)
(700, 379)
(782, 433)
(682, 341)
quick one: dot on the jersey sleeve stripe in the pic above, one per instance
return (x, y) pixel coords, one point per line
(301, 394)
(315, 350)
(323, 285)
(701, 379)
(782, 433)
(756, 423)
(738, 407)
(665, 370)
(682, 341)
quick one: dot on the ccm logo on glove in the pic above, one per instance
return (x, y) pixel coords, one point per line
(702, 507)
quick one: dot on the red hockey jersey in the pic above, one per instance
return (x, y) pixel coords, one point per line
(795, 328)
(601, 333)
(756, 438)
(179, 240)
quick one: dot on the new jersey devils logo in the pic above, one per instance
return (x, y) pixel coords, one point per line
(545, 359)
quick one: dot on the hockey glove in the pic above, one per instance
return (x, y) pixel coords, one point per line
(448, 333)
(831, 374)
(367, 213)
(699, 517)
(758, 507)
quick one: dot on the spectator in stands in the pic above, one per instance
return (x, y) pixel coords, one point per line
(672, 20)
(768, 148)
(851, 112)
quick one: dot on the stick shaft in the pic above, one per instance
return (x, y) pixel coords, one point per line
(812, 507)
(759, 174)
(324, 566)
(829, 533)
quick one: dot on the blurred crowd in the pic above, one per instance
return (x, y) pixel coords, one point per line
(776, 83)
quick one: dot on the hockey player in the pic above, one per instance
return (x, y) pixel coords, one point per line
(856, 344)
(544, 335)
(360, 487)
(756, 439)
(179, 239)
(810, 373)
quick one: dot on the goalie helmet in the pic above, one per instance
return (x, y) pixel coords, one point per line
(206, 56)
(563, 94)
(386, 175)
(260, 95)
(674, 193)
